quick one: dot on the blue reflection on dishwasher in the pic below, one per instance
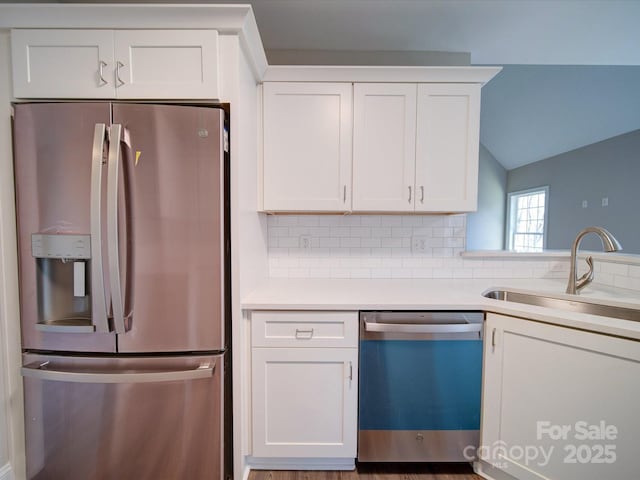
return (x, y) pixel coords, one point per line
(420, 385)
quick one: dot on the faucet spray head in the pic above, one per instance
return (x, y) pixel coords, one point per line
(609, 242)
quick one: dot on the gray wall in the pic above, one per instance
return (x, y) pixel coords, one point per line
(610, 168)
(485, 227)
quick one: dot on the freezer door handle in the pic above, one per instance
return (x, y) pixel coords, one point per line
(42, 371)
(422, 328)
(99, 300)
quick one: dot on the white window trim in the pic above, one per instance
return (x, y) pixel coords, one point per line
(511, 213)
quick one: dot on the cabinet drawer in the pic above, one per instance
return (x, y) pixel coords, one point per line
(304, 329)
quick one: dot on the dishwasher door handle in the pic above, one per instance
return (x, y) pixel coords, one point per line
(422, 327)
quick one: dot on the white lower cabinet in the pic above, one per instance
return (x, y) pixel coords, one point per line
(304, 396)
(305, 402)
(558, 403)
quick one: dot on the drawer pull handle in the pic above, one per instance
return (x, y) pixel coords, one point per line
(304, 334)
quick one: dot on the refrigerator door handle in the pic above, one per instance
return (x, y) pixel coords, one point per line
(99, 302)
(113, 248)
(41, 371)
(128, 165)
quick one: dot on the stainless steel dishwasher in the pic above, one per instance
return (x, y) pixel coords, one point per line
(420, 386)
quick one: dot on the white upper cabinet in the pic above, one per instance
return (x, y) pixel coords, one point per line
(62, 63)
(447, 142)
(166, 64)
(126, 64)
(307, 147)
(415, 147)
(384, 138)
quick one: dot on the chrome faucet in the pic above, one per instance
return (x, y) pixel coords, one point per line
(609, 243)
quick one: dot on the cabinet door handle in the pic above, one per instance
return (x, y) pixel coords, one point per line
(344, 194)
(409, 194)
(493, 338)
(351, 371)
(101, 65)
(421, 193)
(306, 334)
(119, 81)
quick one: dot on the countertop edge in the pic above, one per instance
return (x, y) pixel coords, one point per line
(469, 298)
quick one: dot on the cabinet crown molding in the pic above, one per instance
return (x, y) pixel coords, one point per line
(383, 74)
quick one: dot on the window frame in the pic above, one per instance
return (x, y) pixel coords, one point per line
(511, 215)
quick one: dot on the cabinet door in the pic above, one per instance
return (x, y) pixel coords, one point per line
(62, 63)
(307, 146)
(545, 387)
(304, 402)
(384, 132)
(447, 147)
(167, 64)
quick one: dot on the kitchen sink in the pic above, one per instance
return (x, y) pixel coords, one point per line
(572, 305)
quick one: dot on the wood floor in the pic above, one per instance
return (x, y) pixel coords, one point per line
(383, 471)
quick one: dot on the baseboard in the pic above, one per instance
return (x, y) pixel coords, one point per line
(486, 470)
(256, 463)
(246, 472)
(6, 473)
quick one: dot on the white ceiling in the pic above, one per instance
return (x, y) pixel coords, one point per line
(529, 113)
(577, 32)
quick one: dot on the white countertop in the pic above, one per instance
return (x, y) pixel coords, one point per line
(401, 294)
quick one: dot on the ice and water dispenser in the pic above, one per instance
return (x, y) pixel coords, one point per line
(63, 264)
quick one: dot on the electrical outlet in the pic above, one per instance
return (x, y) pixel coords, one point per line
(305, 242)
(419, 244)
(605, 201)
(585, 204)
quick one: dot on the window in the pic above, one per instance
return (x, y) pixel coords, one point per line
(527, 220)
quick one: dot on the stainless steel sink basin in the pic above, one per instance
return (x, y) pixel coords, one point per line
(572, 305)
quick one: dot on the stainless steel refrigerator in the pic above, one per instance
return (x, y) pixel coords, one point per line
(124, 290)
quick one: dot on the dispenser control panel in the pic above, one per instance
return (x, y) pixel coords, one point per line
(61, 246)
